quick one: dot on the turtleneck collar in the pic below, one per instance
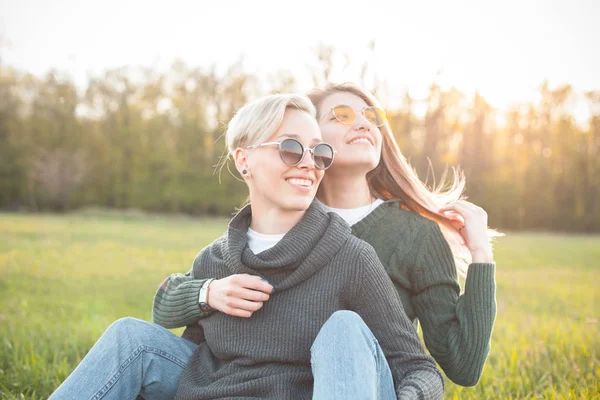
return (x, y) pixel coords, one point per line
(307, 247)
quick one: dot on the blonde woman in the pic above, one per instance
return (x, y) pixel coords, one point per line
(325, 321)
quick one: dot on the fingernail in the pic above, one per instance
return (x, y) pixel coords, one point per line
(272, 290)
(264, 280)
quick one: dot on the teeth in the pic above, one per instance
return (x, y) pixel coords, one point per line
(360, 140)
(301, 182)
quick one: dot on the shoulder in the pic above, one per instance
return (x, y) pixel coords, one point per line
(215, 248)
(358, 246)
(353, 251)
(360, 255)
(398, 231)
(410, 220)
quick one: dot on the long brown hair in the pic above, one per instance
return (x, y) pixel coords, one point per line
(395, 178)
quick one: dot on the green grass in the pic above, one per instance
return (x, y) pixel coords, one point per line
(64, 279)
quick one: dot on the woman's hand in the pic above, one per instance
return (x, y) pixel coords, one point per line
(472, 223)
(238, 295)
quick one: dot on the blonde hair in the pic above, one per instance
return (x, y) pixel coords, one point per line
(394, 177)
(257, 121)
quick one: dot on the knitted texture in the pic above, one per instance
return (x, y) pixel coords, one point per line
(316, 269)
(456, 328)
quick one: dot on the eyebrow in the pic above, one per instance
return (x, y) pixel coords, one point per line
(294, 136)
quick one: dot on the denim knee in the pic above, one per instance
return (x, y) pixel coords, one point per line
(128, 327)
(343, 326)
(344, 322)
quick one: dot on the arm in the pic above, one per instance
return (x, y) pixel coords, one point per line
(176, 300)
(456, 328)
(415, 374)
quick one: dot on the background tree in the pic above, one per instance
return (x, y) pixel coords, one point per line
(139, 138)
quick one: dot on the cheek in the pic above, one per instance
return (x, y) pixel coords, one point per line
(267, 169)
(331, 135)
(319, 175)
(379, 138)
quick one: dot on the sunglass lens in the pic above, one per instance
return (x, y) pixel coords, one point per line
(344, 114)
(375, 116)
(323, 156)
(291, 151)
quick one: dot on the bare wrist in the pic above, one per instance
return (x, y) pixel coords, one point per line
(482, 255)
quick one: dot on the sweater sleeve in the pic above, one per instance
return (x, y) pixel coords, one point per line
(456, 328)
(415, 373)
(176, 300)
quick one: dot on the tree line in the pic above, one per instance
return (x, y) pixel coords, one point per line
(139, 138)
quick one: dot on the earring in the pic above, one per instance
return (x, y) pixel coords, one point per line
(244, 172)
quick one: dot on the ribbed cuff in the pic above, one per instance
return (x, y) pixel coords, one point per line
(481, 274)
(179, 307)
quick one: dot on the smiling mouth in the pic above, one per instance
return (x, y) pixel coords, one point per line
(300, 182)
(361, 140)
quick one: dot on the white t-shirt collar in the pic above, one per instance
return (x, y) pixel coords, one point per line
(354, 215)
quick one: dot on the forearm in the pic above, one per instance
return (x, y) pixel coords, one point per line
(457, 329)
(176, 302)
(476, 317)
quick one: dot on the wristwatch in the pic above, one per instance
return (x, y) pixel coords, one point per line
(204, 295)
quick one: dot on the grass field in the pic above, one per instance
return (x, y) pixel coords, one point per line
(64, 279)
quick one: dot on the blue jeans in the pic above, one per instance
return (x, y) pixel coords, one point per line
(131, 357)
(137, 357)
(348, 363)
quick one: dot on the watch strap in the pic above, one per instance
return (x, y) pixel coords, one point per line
(203, 296)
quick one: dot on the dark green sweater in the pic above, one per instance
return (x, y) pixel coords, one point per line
(316, 269)
(457, 328)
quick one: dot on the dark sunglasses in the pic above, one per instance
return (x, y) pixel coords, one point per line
(292, 152)
(347, 115)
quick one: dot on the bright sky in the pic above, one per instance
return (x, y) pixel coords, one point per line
(504, 49)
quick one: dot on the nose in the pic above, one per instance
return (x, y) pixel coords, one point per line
(307, 161)
(361, 122)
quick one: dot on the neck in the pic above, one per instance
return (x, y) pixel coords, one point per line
(270, 220)
(344, 190)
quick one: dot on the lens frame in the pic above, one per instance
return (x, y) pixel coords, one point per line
(311, 150)
(378, 112)
(314, 156)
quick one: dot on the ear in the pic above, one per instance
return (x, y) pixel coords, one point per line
(241, 162)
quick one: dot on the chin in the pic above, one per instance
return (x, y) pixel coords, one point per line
(297, 203)
(369, 162)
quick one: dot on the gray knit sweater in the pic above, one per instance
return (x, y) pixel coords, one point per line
(316, 269)
(456, 327)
